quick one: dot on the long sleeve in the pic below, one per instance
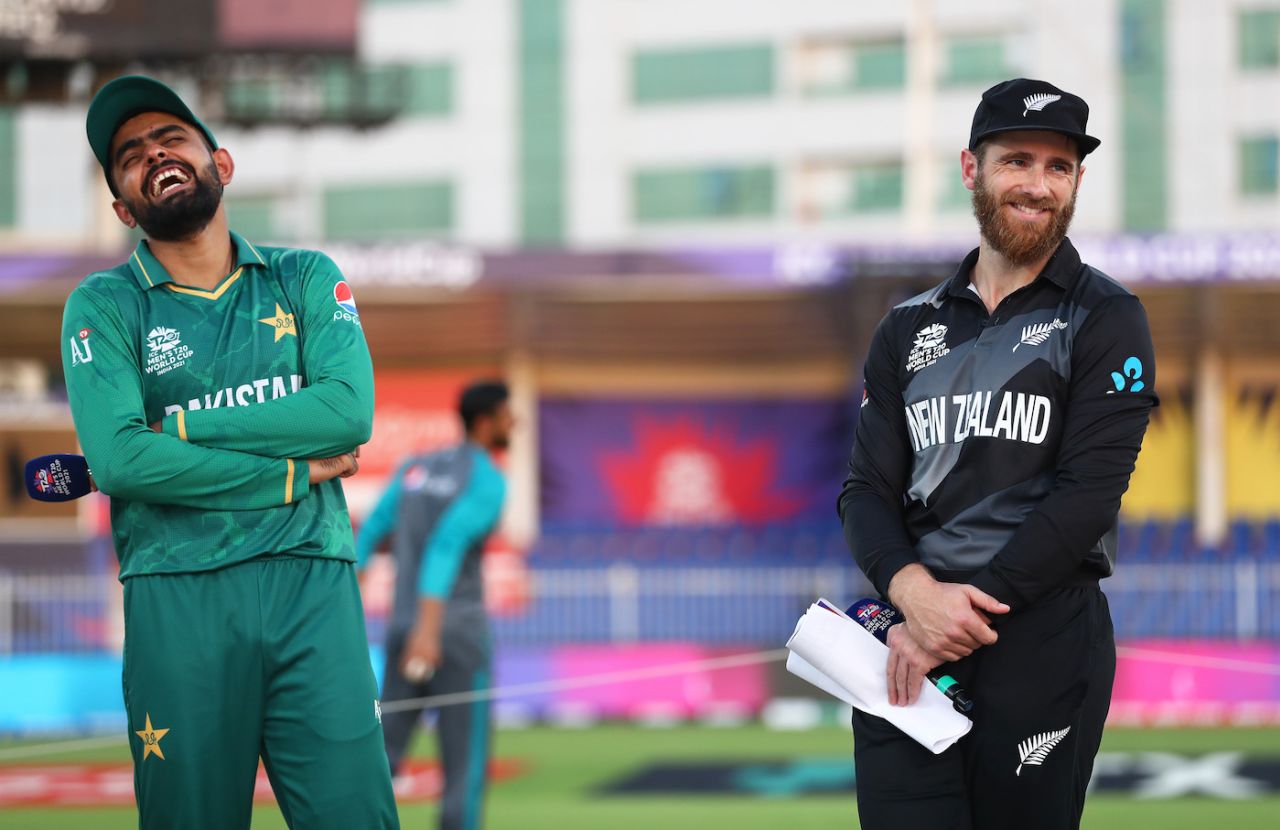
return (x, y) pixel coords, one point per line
(467, 520)
(380, 522)
(1111, 394)
(331, 415)
(129, 461)
(870, 504)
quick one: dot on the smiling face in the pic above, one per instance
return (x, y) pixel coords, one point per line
(1024, 192)
(165, 177)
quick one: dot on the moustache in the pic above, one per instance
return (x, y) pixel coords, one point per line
(1034, 204)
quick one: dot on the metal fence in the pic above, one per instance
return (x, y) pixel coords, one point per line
(738, 605)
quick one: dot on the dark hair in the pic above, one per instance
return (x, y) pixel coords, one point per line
(481, 398)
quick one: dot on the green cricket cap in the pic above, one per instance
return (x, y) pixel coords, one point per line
(125, 97)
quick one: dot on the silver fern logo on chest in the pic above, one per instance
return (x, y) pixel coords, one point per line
(167, 351)
(1037, 333)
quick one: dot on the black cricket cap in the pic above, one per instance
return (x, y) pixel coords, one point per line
(127, 96)
(1024, 104)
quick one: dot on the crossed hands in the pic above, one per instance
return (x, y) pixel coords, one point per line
(944, 622)
(339, 466)
(318, 469)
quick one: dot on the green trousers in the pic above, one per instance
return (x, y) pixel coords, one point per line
(266, 658)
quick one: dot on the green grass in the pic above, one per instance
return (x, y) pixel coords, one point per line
(566, 767)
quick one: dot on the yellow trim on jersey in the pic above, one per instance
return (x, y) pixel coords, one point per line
(144, 269)
(288, 482)
(182, 425)
(255, 252)
(209, 295)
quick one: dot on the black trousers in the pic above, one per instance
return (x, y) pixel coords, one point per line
(1041, 696)
(462, 730)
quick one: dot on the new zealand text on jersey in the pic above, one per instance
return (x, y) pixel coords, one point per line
(1019, 417)
(255, 391)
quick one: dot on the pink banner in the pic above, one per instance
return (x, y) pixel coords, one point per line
(1197, 681)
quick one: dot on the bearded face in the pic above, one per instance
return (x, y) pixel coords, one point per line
(1020, 241)
(178, 201)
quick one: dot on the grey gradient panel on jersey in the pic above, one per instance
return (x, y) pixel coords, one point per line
(985, 364)
(968, 540)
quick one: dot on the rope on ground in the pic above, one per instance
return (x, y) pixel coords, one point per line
(610, 678)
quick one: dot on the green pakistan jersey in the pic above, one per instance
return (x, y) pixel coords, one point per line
(247, 380)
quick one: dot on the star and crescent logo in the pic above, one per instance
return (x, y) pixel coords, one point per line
(151, 740)
(282, 323)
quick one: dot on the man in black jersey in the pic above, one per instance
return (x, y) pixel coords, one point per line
(1002, 415)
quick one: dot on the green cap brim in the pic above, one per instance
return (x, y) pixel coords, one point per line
(125, 97)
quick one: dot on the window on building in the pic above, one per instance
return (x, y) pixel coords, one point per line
(253, 217)
(682, 75)
(710, 193)
(1260, 166)
(834, 189)
(430, 89)
(975, 60)
(1260, 39)
(8, 167)
(954, 197)
(389, 211)
(834, 67)
(876, 188)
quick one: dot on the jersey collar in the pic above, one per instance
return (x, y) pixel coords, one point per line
(149, 273)
(1062, 269)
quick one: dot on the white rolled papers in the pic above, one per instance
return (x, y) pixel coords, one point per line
(834, 653)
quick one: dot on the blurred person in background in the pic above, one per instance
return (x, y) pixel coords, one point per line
(1001, 419)
(244, 630)
(439, 511)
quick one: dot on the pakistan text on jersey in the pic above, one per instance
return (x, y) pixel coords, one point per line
(243, 395)
(1019, 417)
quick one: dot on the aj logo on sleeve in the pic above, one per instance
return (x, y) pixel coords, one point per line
(80, 351)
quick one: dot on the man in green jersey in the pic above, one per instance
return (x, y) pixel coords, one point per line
(219, 391)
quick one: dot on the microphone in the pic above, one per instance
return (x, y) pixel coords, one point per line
(876, 616)
(59, 477)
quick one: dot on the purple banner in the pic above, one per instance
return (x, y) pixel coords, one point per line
(692, 462)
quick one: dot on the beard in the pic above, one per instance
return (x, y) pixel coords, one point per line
(184, 215)
(1021, 243)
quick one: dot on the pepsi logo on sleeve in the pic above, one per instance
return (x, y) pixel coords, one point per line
(346, 303)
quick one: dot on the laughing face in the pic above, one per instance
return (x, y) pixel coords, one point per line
(166, 178)
(1024, 193)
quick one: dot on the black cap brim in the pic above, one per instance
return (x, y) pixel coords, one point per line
(1086, 143)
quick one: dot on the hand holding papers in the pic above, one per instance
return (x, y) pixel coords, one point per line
(839, 656)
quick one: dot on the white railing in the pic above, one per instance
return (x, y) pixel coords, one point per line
(733, 605)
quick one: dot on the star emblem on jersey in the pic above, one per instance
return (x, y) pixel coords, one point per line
(282, 323)
(151, 739)
(1035, 749)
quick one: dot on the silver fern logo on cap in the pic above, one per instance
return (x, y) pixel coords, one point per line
(1038, 102)
(1034, 750)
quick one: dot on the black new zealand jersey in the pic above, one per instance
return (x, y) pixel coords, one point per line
(994, 448)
